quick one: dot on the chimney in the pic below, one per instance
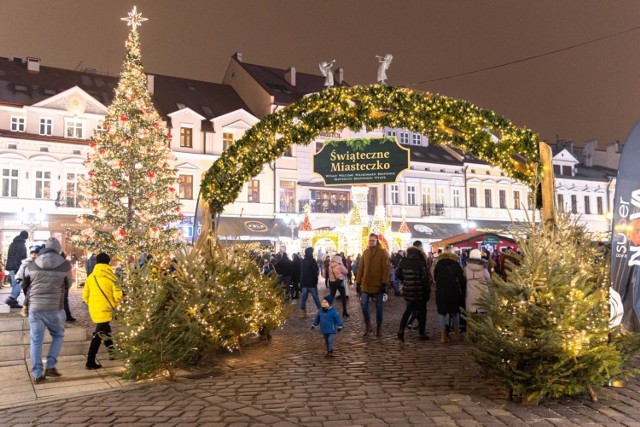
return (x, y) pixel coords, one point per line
(290, 76)
(33, 64)
(238, 56)
(340, 75)
(151, 83)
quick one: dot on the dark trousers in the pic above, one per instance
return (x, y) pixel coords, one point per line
(339, 286)
(420, 307)
(67, 311)
(103, 331)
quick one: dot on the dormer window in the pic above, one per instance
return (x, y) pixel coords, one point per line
(18, 124)
(227, 140)
(416, 139)
(186, 137)
(46, 126)
(74, 128)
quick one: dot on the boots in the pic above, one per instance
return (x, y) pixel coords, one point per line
(303, 314)
(443, 336)
(378, 328)
(367, 327)
(12, 302)
(401, 335)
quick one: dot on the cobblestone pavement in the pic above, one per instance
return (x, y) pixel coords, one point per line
(371, 381)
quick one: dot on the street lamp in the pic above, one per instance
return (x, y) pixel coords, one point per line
(31, 221)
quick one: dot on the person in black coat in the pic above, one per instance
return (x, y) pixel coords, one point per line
(416, 289)
(450, 291)
(309, 271)
(284, 268)
(17, 252)
(295, 276)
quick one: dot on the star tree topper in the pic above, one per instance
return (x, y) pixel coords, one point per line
(135, 19)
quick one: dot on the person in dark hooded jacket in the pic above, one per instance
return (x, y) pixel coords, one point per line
(416, 289)
(450, 291)
(308, 281)
(17, 252)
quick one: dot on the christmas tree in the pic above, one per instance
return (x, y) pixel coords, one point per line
(547, 329)
(130, 191)
(306, 222)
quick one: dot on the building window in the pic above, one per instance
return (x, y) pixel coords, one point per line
(404, 138)
(487, 198)
(473, 198)
(328, 201)
(561, 202)
(503, 199)
(186, 137)
(567, 170)
(516, 200)
(185, 186)
(440, 196)
(227, 140)
(9, 182)
(574, 203)
(599, 205)
(288, 152)
(395, 198)
(287, 196)
(557, 170)
(253, 191)
(43, 184)
(17, 124)
(456, 197)
(46, 126)
(391, 132)
(72, 196)
(411, 194)
(426, 195)
(416, 139)
(74, 128)
(319, 146)
(587, 205)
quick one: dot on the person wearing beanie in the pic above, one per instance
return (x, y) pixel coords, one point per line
(16, 254)
(308, 281)
(330, 323)
(102, 294)
(33, 254)
(477, 274)
(47, 278)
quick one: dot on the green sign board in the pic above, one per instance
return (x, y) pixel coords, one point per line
(490, 240)
(361, 161)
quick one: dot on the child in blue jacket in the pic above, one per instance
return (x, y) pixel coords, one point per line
(330, 323)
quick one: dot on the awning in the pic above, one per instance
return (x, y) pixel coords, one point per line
(430, 230)
(252, 228)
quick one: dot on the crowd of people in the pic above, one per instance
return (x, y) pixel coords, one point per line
(458, 279)
(44, 276)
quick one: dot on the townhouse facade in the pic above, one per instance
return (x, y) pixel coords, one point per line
(48, 115)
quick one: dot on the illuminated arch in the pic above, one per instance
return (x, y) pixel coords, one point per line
(445, 121)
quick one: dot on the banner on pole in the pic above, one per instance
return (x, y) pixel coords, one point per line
(625, 233)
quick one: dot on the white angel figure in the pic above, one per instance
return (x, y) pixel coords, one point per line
(384, 61)
(325, 69)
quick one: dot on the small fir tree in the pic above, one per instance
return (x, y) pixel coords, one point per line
(547, 330)
(306, 222)
(130, 191)
(210, 299)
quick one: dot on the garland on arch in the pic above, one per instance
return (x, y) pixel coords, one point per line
(445, 121)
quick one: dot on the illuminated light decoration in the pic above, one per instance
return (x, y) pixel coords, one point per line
(443, 120)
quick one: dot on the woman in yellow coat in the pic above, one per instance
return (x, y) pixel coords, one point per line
(102, 295)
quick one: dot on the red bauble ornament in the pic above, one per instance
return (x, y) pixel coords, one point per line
(151, 174)
(124, 118)
(114, 184)
(122, 233)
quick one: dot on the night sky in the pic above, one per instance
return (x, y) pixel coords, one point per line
(589, 91)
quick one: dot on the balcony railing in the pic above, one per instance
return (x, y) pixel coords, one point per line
(67, 200)
(326, 206)
(433, 209)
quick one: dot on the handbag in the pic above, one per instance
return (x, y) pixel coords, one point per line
(115, 316)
